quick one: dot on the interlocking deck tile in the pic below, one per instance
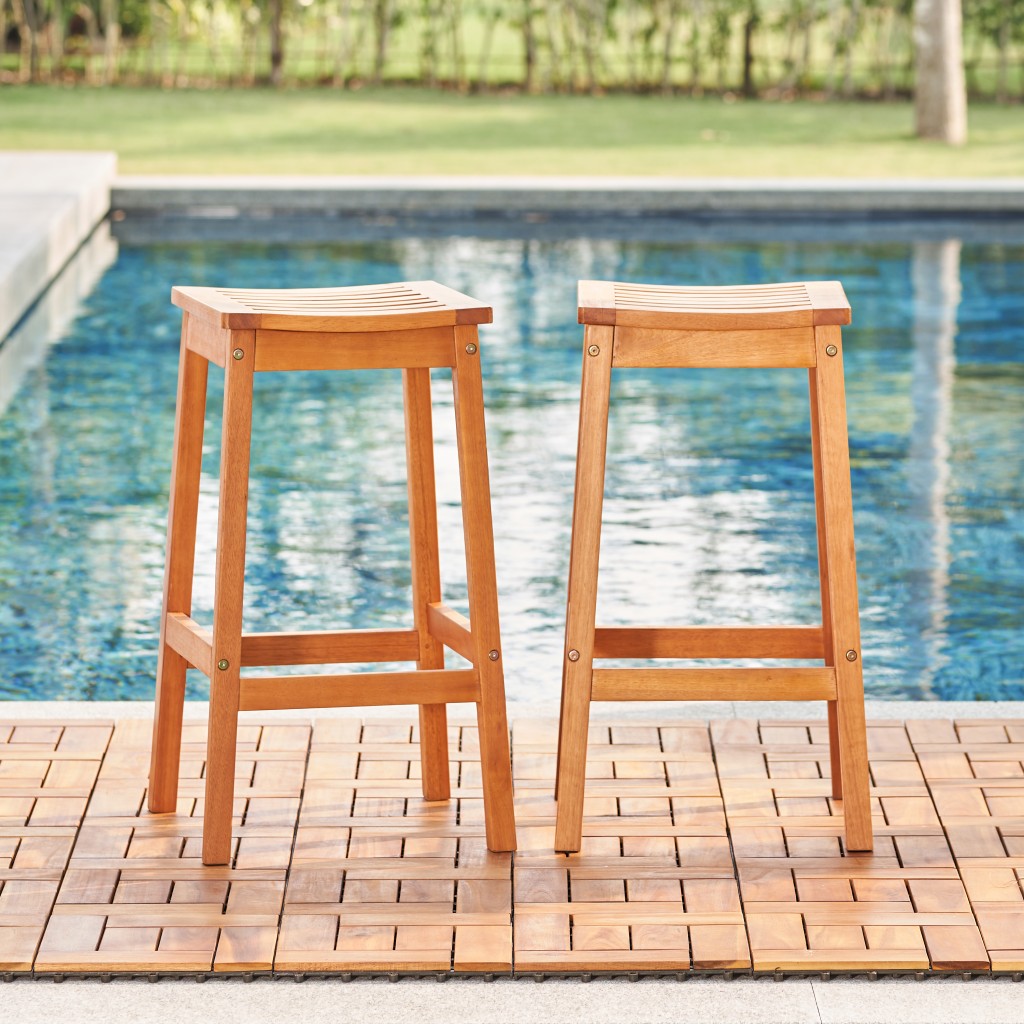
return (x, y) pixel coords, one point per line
(697, 838)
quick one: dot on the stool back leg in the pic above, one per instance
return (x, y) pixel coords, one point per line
(227, 608)
(829, 409)
(581, 610)
(495, 756)
(426, 573)
(826, 612)
(179, 568)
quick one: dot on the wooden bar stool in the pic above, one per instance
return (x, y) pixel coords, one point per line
(412, 326)
(783, 325)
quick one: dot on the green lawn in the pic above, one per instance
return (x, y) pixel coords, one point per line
(404, 131)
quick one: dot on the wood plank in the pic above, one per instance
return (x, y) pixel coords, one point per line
(329, 648)
(482, 587)
(183, 505)
(421, 346)
(359, 689)
(713, 348)
(613, 684)
(708, 642)
(451, 628)
(191, 641)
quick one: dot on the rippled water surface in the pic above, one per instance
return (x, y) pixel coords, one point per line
(709, 509)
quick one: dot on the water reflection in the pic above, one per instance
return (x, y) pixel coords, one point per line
(709, 508)
(936, 280)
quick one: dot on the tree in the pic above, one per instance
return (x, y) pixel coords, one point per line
(940, 92)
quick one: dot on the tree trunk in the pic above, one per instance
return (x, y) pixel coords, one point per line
(529, 48)
(275, 16)
(382, 30)
(1003, 66)
(111, 40)
(56, 40)
(668, 49)
(696, 88)
(491, 18)
(749, 25)
(940, 95)
(26, 20)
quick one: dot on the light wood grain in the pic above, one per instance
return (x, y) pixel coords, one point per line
(359, 689)
(708, 642)
(710, 349)
(426, 571)
(495, 753)
(227, 615)
(581, 605)
(186, 465)
(329, 648)
(714, 684)
(187, 638)
(830, 411)
(330, 350)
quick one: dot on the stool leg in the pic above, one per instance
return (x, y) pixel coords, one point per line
(227, 606)
(186, 465)
(581, 610)
(826, 613)
(829, 409)
(426, 573)
(495, 756)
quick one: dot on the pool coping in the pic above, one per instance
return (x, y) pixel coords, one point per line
(50, 203)
(877, 710)
(265, 195)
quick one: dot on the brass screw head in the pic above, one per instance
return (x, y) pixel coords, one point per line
(851, 655)
(493, 655)
(471, 350)
(574, 655)
(831, 350)
(594, 350)
(238, 354)
(223, 664)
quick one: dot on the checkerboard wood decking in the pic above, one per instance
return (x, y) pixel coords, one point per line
(707, 847)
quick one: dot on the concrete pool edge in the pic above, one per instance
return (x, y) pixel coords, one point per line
(877, 710)
(50, 203)
(238, 195)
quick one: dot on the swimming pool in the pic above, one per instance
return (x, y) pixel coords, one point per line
(709, 508)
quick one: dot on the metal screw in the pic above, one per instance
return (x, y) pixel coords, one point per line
(493, 655)
(594, 350)
(851, 655)
(471, 350)
(238, 354)
(574, 655)
(831, 350)
(223, 664)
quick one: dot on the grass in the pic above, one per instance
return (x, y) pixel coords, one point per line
(406, 131)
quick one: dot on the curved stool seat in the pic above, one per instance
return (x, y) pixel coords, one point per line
(778, 325)
(414, 326)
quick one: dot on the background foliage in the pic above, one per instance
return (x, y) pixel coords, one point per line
(751, 47)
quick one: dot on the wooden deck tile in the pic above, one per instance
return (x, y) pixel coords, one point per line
(696, 837)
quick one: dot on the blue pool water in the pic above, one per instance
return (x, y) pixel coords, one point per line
(709, 510)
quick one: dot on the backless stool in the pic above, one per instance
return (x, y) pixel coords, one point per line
(783, 325)
(412, 326)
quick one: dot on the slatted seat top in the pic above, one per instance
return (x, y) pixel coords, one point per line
(404, 305)
(744, 307)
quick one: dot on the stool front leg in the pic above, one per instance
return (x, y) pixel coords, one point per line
(826, 610)
(495, 755)
(426, 573)
(829, 409)
(186, 466)
(581, 608)
(227, 609)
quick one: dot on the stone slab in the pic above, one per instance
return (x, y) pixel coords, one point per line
(49, 204)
